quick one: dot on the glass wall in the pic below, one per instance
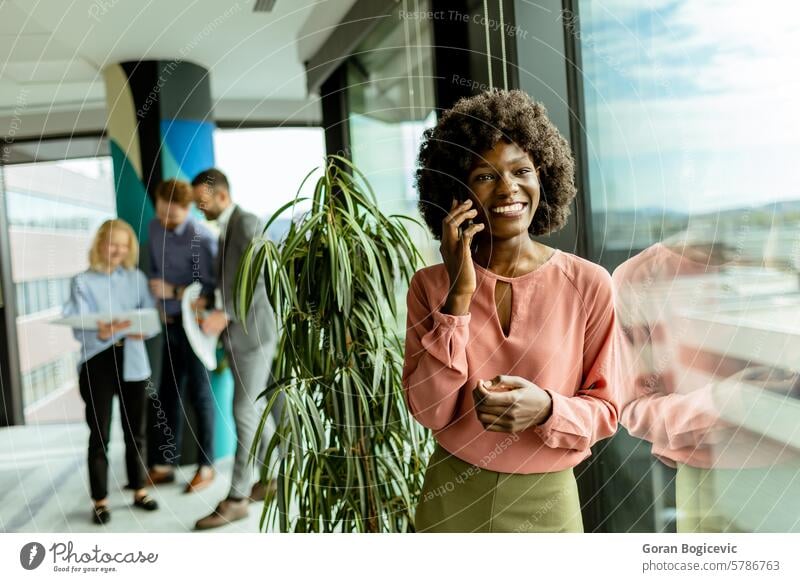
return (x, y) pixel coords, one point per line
(265, 166)
(41, 294)
(390, 98)
(34, 210)
(691, 132)
(390, 102)
(53, 210)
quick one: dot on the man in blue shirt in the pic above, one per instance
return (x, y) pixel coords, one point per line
(182, 251)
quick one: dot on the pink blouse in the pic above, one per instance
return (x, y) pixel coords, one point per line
(561, 337)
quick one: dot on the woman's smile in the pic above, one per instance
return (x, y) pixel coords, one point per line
(509, 209)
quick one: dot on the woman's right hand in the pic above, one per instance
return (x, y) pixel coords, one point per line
(105, 331)
(457, 256)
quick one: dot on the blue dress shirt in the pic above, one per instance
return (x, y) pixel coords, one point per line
(117, 292)
(183, 256)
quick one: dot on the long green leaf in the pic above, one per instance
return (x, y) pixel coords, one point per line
(351, 457)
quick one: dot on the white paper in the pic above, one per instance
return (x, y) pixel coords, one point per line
(143, 321)
(205, 346)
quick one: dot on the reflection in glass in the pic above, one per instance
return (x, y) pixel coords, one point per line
(390, 97)
(692, 139)
(711, 381)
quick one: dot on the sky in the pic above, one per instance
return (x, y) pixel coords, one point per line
(691, 104)
(266, 166)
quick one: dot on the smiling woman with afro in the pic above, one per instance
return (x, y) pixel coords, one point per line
(509, 354)
(477, 124)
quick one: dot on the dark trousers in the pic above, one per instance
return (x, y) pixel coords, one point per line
(183, 374)
(99, 380)
(155, 353)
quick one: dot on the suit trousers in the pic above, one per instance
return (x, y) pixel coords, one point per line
(182, 374)
(251, 372)
(98, 381)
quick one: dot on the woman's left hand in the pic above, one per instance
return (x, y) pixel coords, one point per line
(511, 404)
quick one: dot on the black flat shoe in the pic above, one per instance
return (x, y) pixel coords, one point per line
(101, 515)
(146, 502)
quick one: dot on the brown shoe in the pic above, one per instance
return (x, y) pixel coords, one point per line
(202, 479)
(260, 491)
(226, 512)
(156, 477)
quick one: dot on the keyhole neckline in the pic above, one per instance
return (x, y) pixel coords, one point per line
(551, 261)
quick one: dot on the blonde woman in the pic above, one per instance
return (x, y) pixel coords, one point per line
(112, 361)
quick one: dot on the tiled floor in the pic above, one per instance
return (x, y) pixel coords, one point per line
(44, 487)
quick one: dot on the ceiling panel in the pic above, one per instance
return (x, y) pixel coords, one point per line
(41, 97)
(51, 71)
(32, 47)
(251, 56)
(14, 20)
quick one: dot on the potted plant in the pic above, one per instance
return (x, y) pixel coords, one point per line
(351, 457)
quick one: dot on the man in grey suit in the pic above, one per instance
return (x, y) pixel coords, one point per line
(249, 353)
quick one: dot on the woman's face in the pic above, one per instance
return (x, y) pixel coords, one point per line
(504, 182)
(115, 248)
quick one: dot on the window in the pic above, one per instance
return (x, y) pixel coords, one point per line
(390, 96)
(53, 209)
(288, 154)
(72, 195)
(44, 294)
(48, 379)
(691, 139)
(32, 210)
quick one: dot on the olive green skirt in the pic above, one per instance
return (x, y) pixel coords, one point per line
(459, 497)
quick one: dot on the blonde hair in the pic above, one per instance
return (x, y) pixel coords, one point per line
(97, 262)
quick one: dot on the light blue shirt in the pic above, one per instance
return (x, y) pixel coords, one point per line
(120, 291)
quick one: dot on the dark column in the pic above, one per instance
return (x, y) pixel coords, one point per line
(11, 411)
(474, 49)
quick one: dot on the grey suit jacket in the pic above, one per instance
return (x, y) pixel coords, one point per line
(261, 333)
